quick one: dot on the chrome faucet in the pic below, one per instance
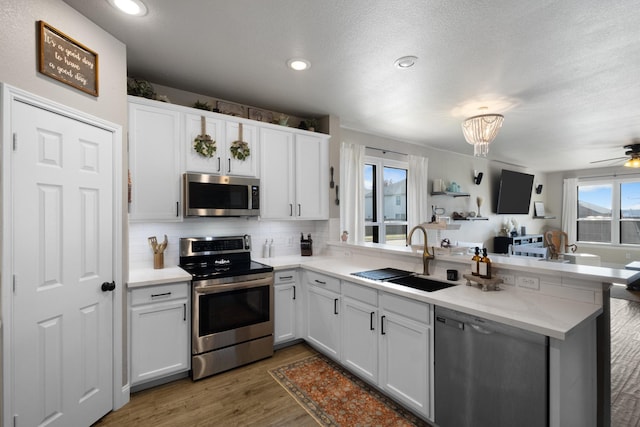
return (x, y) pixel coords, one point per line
(426, 256)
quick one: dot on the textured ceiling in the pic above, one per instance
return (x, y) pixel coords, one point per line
(565, 74)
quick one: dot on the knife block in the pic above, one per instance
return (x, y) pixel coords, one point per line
(306, 248)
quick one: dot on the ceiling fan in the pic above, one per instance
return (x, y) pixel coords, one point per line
(632, 156)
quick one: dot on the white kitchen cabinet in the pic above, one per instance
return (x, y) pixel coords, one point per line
(360, 337)
(154, 161)
(214, 127)
(323, 311)
(285, 306)
(294, 175)
(160, 339)
(224, 132)
(406, 353)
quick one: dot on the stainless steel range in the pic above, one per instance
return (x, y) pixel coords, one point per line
(232, 303)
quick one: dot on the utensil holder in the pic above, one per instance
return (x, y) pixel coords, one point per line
(158, 261)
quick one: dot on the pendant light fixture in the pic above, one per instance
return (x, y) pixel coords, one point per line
(481, 130)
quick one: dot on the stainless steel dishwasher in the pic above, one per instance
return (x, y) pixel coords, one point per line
(488, 373)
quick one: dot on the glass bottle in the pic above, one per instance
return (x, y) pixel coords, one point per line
(475, 262)
(484, 267)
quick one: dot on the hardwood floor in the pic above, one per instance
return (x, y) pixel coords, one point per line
(248, 396)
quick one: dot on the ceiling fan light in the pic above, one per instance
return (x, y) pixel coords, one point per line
(633, 162)
(481, 130)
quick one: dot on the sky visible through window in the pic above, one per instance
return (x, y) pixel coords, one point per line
(600, 195)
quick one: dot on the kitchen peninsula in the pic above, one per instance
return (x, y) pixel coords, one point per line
(568, 303)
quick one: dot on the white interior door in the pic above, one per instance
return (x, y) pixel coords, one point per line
(62, 211)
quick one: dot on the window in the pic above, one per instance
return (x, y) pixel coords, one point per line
(609, 212)
(385, 206)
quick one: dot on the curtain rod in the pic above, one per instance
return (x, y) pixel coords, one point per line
(613, 175)
(384, 151)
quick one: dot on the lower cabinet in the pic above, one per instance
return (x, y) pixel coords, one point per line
(386, 340)
(406, 360)
(160, 331)
(323, 313)
(285, 306)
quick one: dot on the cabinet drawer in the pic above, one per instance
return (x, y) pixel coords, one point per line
(322, 281)
(152, 294)
(360, 293)
(416, 310)
(284, 276)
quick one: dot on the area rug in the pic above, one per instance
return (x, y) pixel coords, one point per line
(335, 397)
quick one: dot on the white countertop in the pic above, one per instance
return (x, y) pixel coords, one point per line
(546, 315)
(151, 276)
(529, 310)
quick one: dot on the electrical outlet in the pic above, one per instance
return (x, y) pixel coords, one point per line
(508, 279)
(528, 282)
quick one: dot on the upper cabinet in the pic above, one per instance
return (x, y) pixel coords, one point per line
(235, 143)
(294, 175)
(155, 160)
(292, 164)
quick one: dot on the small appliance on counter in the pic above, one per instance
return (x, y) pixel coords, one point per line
(306, 246)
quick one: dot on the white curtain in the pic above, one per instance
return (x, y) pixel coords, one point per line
(570, 208)
(417, 193)
(352, 191)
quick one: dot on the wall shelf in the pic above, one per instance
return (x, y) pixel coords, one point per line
(475, 218)
(449, 193)
(544, 217)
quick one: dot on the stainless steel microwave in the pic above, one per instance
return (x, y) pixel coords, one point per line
(219, 195)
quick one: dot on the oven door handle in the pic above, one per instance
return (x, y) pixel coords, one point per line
(225, 287)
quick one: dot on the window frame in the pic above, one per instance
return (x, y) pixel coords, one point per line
(616, 219)
(379, 221)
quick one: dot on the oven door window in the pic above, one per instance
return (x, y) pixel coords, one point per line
(232, 310)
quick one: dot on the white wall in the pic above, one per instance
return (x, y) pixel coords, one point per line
(460, 168)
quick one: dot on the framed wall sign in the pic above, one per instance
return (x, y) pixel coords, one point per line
(539, 208)
(64, 59)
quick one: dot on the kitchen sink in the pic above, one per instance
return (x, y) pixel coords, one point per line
(420, 283)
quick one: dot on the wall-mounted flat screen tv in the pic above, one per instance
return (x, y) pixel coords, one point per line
(514, 193)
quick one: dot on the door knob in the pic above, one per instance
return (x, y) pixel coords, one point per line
(106, 286)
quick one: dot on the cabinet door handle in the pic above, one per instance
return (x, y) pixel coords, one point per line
(285, 277)
(320, 282)
(372, 315)
(184, 312)
(382, 332)
(294, 292)
(299, 210)
(162, 295)
(290, 209)
(218, 164)
(228, 171)
(335, 306)
(177, 208)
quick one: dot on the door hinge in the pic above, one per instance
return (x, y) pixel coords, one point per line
(15, 141)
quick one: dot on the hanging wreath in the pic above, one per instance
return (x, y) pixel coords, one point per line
(239, 149)
(203, 143)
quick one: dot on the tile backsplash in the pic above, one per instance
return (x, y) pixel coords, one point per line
(285, 235)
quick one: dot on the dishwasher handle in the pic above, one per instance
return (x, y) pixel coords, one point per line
(450, 322)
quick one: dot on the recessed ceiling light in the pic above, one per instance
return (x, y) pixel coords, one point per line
(130, 7)
(298, 64)
(406, 62)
